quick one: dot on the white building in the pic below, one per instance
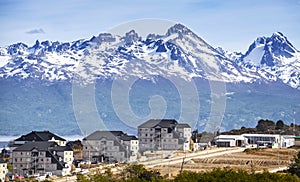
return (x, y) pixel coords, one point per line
(3, 170)
(230, 140)
(165, 134)
(257, 140)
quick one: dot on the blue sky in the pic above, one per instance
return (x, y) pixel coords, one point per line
(231, 24)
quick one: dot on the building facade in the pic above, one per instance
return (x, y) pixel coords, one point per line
(109, 146)
(255, 140)
(230, 140)
(42, 157)
(3, 170)
(164, 134)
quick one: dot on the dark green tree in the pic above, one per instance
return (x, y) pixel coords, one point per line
(265, 125)
(295, 167)
(137, 172)
(279, 125)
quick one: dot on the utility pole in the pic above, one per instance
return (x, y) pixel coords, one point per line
(182, 162)
(294, 129)
(169, 175)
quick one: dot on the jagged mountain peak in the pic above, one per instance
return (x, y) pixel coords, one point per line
(268, 51)
(179, 52)
(273, 58)
(131, 36)
(180, 29)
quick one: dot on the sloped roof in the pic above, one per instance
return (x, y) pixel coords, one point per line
(110, 135)
(39, 136)
(39, 146)
(164, 123)
(183, 125)
(62, 148)
(2, 161)
(128, 137)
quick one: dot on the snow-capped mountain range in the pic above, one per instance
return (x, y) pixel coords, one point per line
(179, 52)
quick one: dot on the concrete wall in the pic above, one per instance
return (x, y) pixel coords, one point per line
(3, 171)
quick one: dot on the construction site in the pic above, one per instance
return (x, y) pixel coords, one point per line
(253, 160)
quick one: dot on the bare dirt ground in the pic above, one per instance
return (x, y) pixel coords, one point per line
(252, 161)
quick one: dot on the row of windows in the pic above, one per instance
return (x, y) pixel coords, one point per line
(28, 153)
(163, 140)
(29, 166)
(151, 135)
(29, 159)
(66, 159)
(106, 153)
(68, 153)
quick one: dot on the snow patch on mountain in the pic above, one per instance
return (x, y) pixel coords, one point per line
(179, 52)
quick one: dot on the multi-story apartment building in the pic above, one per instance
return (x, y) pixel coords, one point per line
(108, 146)
(3, 170)
(42, 157)
(164, 134)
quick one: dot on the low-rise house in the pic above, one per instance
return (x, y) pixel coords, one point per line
(164, 134)
(109, 146)
(230, 140)
(3, 170)
(297, 141)
(287, 140)
(257, 140)
(42, 157)
(76, 146)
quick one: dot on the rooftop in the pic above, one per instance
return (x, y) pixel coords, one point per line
(97, 135)
(39, 146)
(2, 161)
(39, 136)
(163, 123)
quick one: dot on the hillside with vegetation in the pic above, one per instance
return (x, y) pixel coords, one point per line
(268, 127)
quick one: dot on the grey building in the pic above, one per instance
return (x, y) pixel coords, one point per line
(42, 157)
(164, 134)
(109, 146)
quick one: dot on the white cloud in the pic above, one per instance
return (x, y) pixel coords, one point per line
(36, 31)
